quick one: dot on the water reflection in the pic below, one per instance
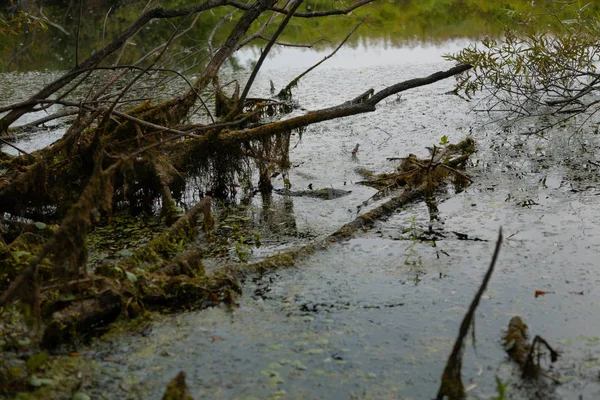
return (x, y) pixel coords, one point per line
(388, 23)
(277, 214)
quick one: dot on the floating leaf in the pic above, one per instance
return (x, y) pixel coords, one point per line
(125, 253)
(41, 225)
(37, 382)
(131, 276)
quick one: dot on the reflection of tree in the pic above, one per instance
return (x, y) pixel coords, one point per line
(278, 215)
(395, 22)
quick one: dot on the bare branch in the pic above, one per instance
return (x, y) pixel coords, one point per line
(285, 93)
(310, 14)
(264, 53)
(342, 110)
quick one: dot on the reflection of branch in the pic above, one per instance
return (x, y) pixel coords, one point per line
(285, 93)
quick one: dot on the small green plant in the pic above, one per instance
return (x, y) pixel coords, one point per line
(412, 256)
(444, 141)
(243, 250)
(243, 247)
(502, 389)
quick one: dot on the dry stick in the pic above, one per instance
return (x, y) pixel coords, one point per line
(104, 25)
(265, 52)
(78, 33)
(286, 92)
(124, 47)
(160, 46)
(451, 384)
(211, 70)
(284, 44)
(19, 109)
(49, 22)
(193, 130)
(214, 31)
(136, 78)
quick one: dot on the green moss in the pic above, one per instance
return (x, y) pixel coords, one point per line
(64, 375)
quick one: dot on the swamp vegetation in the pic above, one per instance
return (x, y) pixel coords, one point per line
(139, 207)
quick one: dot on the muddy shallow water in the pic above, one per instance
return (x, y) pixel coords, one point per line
(376, 316)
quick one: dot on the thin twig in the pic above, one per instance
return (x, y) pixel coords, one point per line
(16, 148)
(264, 54)
(285, 92)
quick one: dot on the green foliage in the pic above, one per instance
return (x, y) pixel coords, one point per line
(444, 141)
(502, 389)
(18, 23)
(243, 250)
(534, 66)
(241, 237)
(396, 22)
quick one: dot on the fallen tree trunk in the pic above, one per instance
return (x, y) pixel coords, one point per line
(366, 221)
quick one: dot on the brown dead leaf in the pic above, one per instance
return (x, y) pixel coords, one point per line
(539, 293)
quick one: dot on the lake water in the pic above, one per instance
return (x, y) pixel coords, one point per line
(375, 317)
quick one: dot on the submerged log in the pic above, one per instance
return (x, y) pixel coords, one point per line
(81, 318)
(324, 194)
(367, 220)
